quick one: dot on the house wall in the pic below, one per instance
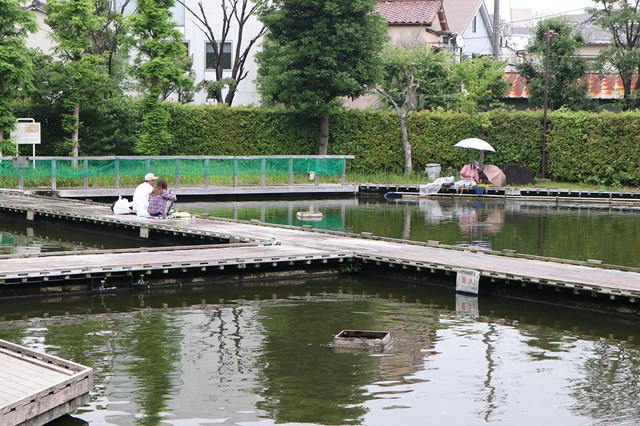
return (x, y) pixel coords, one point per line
(477, 42)
(41, 39)
(409, 36)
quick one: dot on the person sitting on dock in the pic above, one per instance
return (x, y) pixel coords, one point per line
(158, 199)
(469, 176)
(141, 195)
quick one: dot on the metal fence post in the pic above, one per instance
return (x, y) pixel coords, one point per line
(263, 172)
(344, 172)
(177, 172)
(290, 171)
(235, 172)
(117, 173)
(86, 173)
(206, 172)
(54, 178)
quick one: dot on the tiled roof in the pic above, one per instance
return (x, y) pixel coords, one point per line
(592, 33)
(460, 12)
(606, 87)
(418, 12)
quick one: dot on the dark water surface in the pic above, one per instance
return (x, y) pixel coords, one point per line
(610, 235)
(259, 356)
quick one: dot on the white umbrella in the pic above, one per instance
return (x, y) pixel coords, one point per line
(475, 143)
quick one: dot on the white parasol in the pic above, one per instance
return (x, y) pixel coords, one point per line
(477, 144)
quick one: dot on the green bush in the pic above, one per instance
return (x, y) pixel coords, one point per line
(594, 148)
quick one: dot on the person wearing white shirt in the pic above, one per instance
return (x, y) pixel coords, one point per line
(141, 195)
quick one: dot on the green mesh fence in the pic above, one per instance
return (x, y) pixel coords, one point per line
(61, 168)
(67, 168)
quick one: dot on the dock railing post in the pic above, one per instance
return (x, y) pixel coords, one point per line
(291, 171)
(85, 167)
(263, 172)
(54, 179)
(206, 172)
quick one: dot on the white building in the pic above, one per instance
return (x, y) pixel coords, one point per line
(202, 54)
(471, 22)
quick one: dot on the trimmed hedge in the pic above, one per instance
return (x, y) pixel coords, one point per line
(582, 147)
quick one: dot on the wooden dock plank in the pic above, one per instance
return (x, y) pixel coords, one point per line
(276, 243)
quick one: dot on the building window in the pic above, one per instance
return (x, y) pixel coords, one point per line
(474, 24)
(177, 14)
(226, 57)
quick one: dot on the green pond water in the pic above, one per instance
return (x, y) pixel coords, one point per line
(258, 354)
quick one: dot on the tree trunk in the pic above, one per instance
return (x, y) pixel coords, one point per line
(324, 135)
(408, 162)
(76, 130)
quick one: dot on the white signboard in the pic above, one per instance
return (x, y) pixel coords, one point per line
(26, 133)
(467, 281)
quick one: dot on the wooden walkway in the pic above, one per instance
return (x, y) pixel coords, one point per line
(265, 245)
(36, 388)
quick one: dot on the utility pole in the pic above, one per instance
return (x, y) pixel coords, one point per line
(548, 35)
(496, 29)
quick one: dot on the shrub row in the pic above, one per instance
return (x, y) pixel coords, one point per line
(582, 147)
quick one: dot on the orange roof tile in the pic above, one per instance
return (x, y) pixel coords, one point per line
(409, 12)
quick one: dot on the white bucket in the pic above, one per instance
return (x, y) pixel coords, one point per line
(433, 171)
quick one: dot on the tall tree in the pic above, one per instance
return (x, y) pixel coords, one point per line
(15, 63)
(482, 83)
(159, 62)
(414, 79)
(236, 17)
(73, 24)
(564, 70)
(318, 51)
(622, 20)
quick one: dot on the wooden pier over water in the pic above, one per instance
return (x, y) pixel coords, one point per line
(36, 388)
(257, 250)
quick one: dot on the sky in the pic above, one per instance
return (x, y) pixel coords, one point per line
(543, 6)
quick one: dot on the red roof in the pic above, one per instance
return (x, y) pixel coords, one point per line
(606, 87)
(422, 12)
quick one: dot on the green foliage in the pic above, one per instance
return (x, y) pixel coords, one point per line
(317, 51)
(565, 68)
(622, 20)
(159, 64)
(419, 76)
(585, 147)
(483, 83)
(109, 127)
(15, 64)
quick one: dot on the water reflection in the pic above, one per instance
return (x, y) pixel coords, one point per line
(258, 355)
